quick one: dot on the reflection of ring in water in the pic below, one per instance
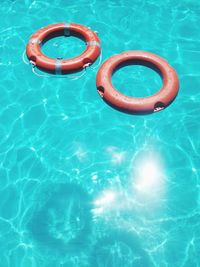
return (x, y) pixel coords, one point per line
(119, 249)
(63, 222)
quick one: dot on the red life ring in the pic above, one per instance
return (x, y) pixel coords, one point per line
(145, 105)
(61, 66)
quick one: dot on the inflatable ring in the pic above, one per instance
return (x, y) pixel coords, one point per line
(145, 105)
(61, 66)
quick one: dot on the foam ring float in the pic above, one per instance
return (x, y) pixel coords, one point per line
(143, 105)
(62, 66)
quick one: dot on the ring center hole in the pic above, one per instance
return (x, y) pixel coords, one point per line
(63, 47)
(136, 80)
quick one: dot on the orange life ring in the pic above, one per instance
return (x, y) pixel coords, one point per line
(61, 66)
(145, 105)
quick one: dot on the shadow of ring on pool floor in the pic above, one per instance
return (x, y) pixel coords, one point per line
(62, 223)
(119, 248)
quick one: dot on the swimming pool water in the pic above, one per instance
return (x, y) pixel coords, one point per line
(81, 184)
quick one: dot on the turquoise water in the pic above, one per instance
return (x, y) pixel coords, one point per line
(81, 184)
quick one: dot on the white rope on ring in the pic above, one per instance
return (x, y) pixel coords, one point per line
(57, 76)
(78, 77)
(24, 58)
(50, 76)
(39, 75)
(100, 61)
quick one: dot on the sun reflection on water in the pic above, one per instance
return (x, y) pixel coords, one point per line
(104, 202)
(144, 189)
(148, 177)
